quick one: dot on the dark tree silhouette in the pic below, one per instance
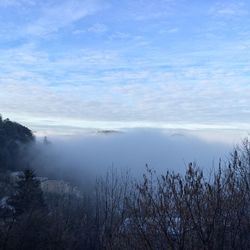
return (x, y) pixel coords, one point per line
(13, 139)
(28, 196)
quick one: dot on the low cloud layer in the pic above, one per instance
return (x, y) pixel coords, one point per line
(83, 158)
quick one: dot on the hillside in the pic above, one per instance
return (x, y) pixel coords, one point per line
(14, 138)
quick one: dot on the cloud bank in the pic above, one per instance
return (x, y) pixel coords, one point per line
(86, 157)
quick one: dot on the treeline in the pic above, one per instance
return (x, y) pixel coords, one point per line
(14, 138)
(169, 211)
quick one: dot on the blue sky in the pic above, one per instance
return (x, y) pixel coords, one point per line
(134, 63)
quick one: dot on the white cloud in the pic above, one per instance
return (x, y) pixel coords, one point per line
(169, 30)
(182, 81)
(62, 14)
(97, 28)
(143, 10)
(229, 9)
(163, 104)
(100, 85)
(16, 3)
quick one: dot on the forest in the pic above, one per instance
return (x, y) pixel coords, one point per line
(159, 211)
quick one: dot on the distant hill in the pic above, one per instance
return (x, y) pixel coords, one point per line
(13, 139)
(108, 131)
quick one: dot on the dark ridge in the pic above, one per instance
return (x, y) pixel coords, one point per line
(13, 139)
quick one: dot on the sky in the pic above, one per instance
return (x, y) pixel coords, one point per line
(73, 64)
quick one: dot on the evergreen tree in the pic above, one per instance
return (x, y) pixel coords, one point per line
(28, 196)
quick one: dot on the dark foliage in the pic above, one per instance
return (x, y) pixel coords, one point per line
(28, 195)
(13, 138)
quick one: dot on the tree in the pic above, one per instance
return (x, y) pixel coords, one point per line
(14, 142)
(28, 196)
(26, 226)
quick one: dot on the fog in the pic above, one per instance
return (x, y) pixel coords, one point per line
(81, 158)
